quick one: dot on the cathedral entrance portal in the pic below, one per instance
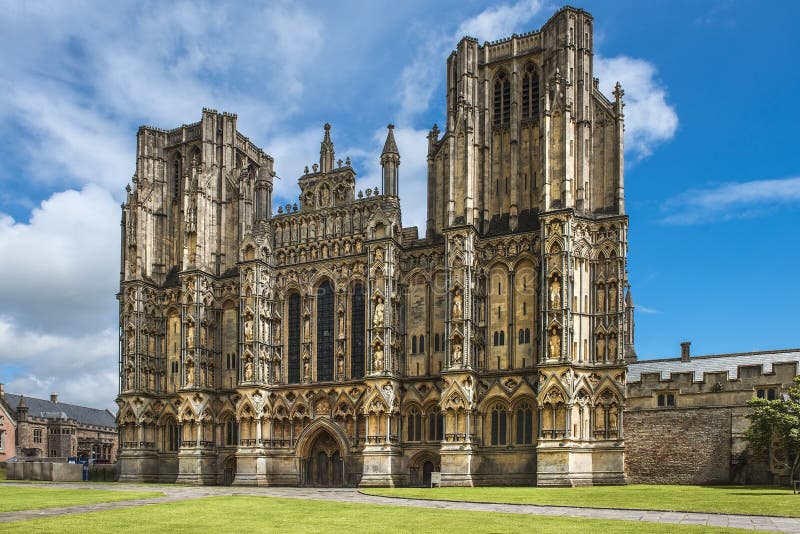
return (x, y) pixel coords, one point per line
(324, 465)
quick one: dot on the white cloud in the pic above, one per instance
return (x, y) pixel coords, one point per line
(64, 262)
(649, 118)
(82, 369)
(645, 309)
(731, 201)
(59, 313)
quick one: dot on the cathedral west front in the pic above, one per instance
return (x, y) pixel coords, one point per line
(321, 342)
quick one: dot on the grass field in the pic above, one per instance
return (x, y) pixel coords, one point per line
(751, 500)
(263, 514)
(13, 498)
(2, 472)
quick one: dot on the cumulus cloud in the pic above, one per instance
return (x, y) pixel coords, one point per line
(729, 201)
(649, 118)
(59, 312)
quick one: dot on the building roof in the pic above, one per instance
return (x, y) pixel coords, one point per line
(60, 410)
(713, 364)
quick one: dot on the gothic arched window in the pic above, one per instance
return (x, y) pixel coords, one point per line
(325, 332)
(176, 177)
(436, 343)
(527, 335)
(498, 425)
(294, 339)
(413, 344)
(524, 421)
(414, 426)
(435, 425)
(530, 93)
(502, 100)
(357, 333)
(422, 343)
(521, 336)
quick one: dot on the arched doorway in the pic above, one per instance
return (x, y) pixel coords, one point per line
(421, 466)
(427, 469)
(229, 471)
(324, 464)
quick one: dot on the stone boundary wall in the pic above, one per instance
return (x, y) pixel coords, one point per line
(44, 471)
(678, 446)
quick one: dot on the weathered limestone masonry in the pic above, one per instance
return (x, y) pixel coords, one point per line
(685, 417)
(325, 344)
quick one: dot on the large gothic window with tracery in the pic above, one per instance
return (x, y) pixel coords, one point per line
(530, 94)
(524, 421)
(294, 339)
(502, 100)
(325, 332)
(498, 428)
(357, 333)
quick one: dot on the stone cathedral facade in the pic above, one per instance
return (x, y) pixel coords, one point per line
(323, 343)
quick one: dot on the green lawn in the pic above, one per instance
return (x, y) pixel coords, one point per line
(13, 498)
(2, 472)
(263, 514)
(751, 500)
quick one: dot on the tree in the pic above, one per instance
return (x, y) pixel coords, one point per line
(777, 422)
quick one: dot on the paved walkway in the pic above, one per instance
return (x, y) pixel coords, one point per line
(181, 493)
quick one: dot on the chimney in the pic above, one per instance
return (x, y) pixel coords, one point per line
(2, 390)
(685, 351)
(54, 397)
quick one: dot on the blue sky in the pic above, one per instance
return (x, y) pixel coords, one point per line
(712, 165)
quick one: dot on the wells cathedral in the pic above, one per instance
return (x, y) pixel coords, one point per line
(323, 343)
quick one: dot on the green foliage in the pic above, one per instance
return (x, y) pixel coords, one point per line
(777, 422)
(264, 514)
(752, 500)
(14, 498)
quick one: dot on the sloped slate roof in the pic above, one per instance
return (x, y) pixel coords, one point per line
(45, 408)
(713, 364)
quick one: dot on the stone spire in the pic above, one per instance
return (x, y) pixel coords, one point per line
(326, 153)
(390, 161)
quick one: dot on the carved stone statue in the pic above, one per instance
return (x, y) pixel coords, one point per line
(555, 293)
(248, 329)
(555, 344)
(190, 373)
(612, 297)
(458, 305)
(612, 420)
(248, 369)
(340, 367)
(129, 377)
(612, 346)
(601, 297)
(190, 335)
(131, 342)
(377, 359)
(307, 327)
(203, 339)
(306, 369)
(601, 346)
(276, 373)
(458, 355)
(377, 318)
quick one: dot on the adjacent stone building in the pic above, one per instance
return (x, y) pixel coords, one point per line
(686, 417)
(32, 428)
(324, 343)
